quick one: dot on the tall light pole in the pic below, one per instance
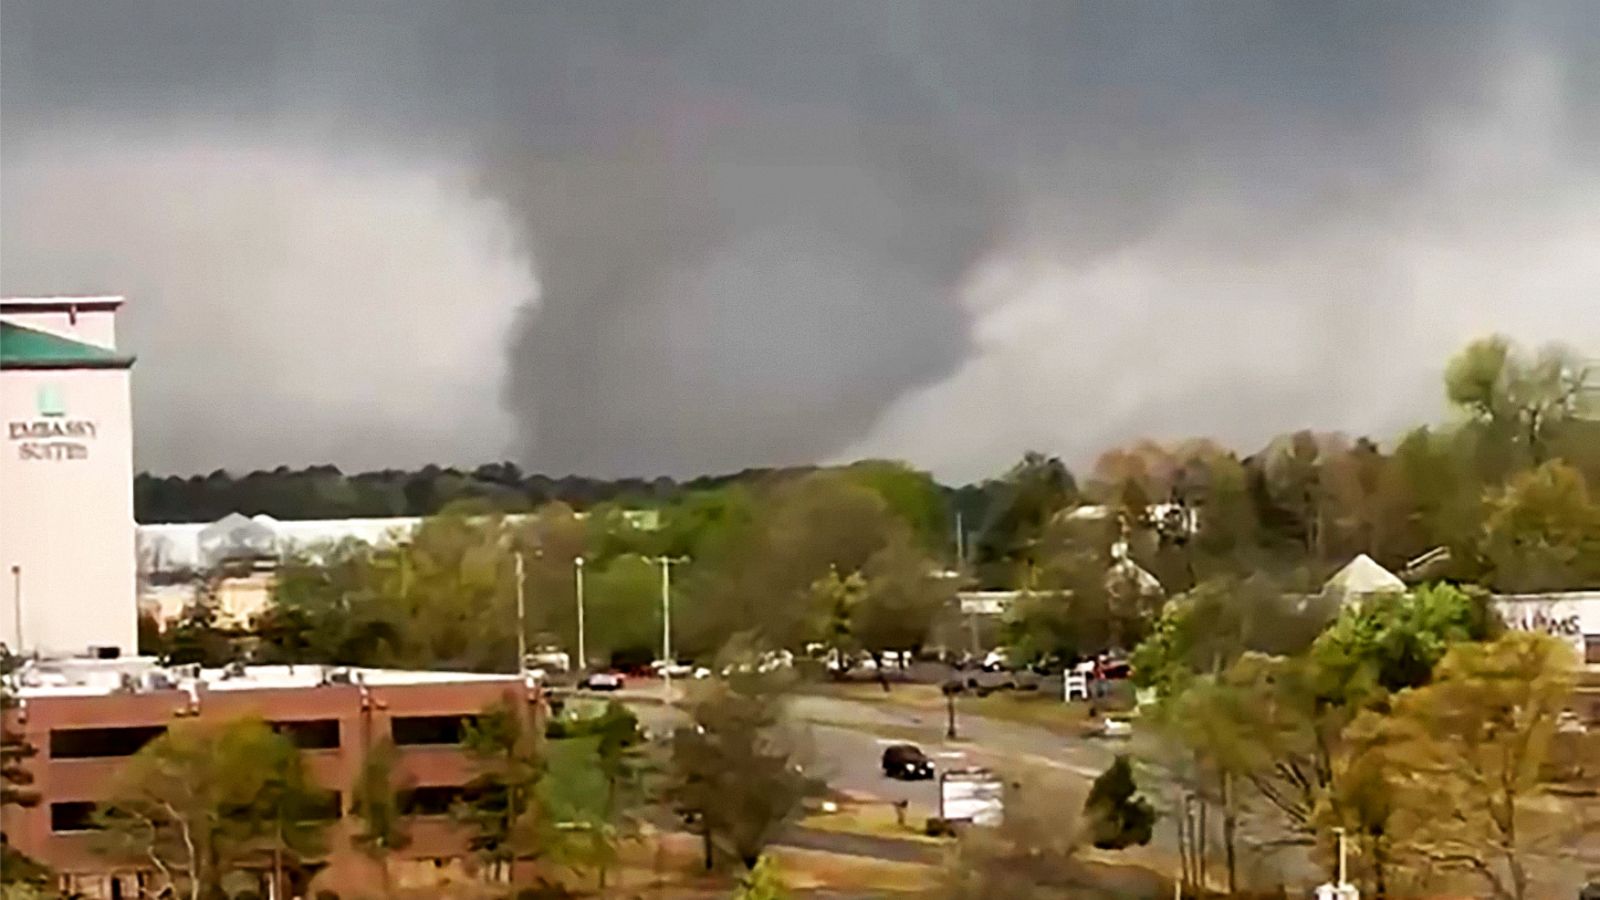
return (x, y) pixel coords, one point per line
(522, 618)
(583, 653)
(666, 625)
(16, 606)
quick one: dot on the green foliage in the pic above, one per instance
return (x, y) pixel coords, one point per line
(375, 803)
(1543, 531)
(911, 495)
(739, 767)
(1206, 629)
(196, 639)
(901, 598)
(1045, 626)
(22, 873)
(502, 808)
(1392, 643)
(202, 798)
(623, 604)
(763, 882)
(1116, 816)
(1028, 495)
(15, 749)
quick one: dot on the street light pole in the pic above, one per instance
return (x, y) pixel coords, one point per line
(666, 626)
(522, 618)
(16, 606)
(583, 654)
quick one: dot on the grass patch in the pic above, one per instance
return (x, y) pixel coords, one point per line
(1040, 710)
(872, 819)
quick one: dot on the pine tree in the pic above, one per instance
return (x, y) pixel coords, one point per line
(1117, 817)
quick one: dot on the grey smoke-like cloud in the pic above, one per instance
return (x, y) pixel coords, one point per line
(641, 237)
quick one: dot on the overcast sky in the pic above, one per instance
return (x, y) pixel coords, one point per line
(684, 237)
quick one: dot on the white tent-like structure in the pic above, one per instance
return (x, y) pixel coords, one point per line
(1362, 578)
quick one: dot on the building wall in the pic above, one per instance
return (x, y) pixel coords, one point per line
(66, 524)
(1573, 616)
(360, 725)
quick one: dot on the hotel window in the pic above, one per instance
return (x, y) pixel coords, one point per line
(417, 731)
(325, 806)
(431, 800)
(73, 816)
(310, 734)
(100, 743)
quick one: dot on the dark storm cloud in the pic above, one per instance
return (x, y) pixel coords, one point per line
(769, 233)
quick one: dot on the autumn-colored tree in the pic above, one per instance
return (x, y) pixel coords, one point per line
(1470, 749)
(1543, 531)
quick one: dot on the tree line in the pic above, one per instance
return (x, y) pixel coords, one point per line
(1502, 494)
(862, 557)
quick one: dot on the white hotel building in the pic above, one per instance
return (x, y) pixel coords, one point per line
(66, 479)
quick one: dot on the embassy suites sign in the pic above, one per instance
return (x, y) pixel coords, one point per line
(52, 439)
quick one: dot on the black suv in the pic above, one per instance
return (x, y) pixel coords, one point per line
(906, 762)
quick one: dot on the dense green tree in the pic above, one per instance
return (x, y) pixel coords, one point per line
(763, 578)
(1205, 630)
(623, 603)
(1520, 401)
(1117, 817)
(503, 807)
(1029, 496)
(208, 798)
(903, 594)
(911, 495)
(1393, 643)
(375, 805)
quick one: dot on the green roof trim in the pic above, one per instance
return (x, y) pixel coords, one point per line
(28, 348)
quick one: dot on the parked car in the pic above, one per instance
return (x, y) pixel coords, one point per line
(601, 681)
(675, 669)
(1114, 727)
(996, 661)
(549, 658)
(906, 762)
(1117, 670)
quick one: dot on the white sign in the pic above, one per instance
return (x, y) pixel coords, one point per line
(972, 795)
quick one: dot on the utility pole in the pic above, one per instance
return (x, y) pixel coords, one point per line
(522, 618)
(16, 607)
(583, 654)
(961, 544)
(666, 627)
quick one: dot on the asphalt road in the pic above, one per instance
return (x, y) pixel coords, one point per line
(848, 738)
